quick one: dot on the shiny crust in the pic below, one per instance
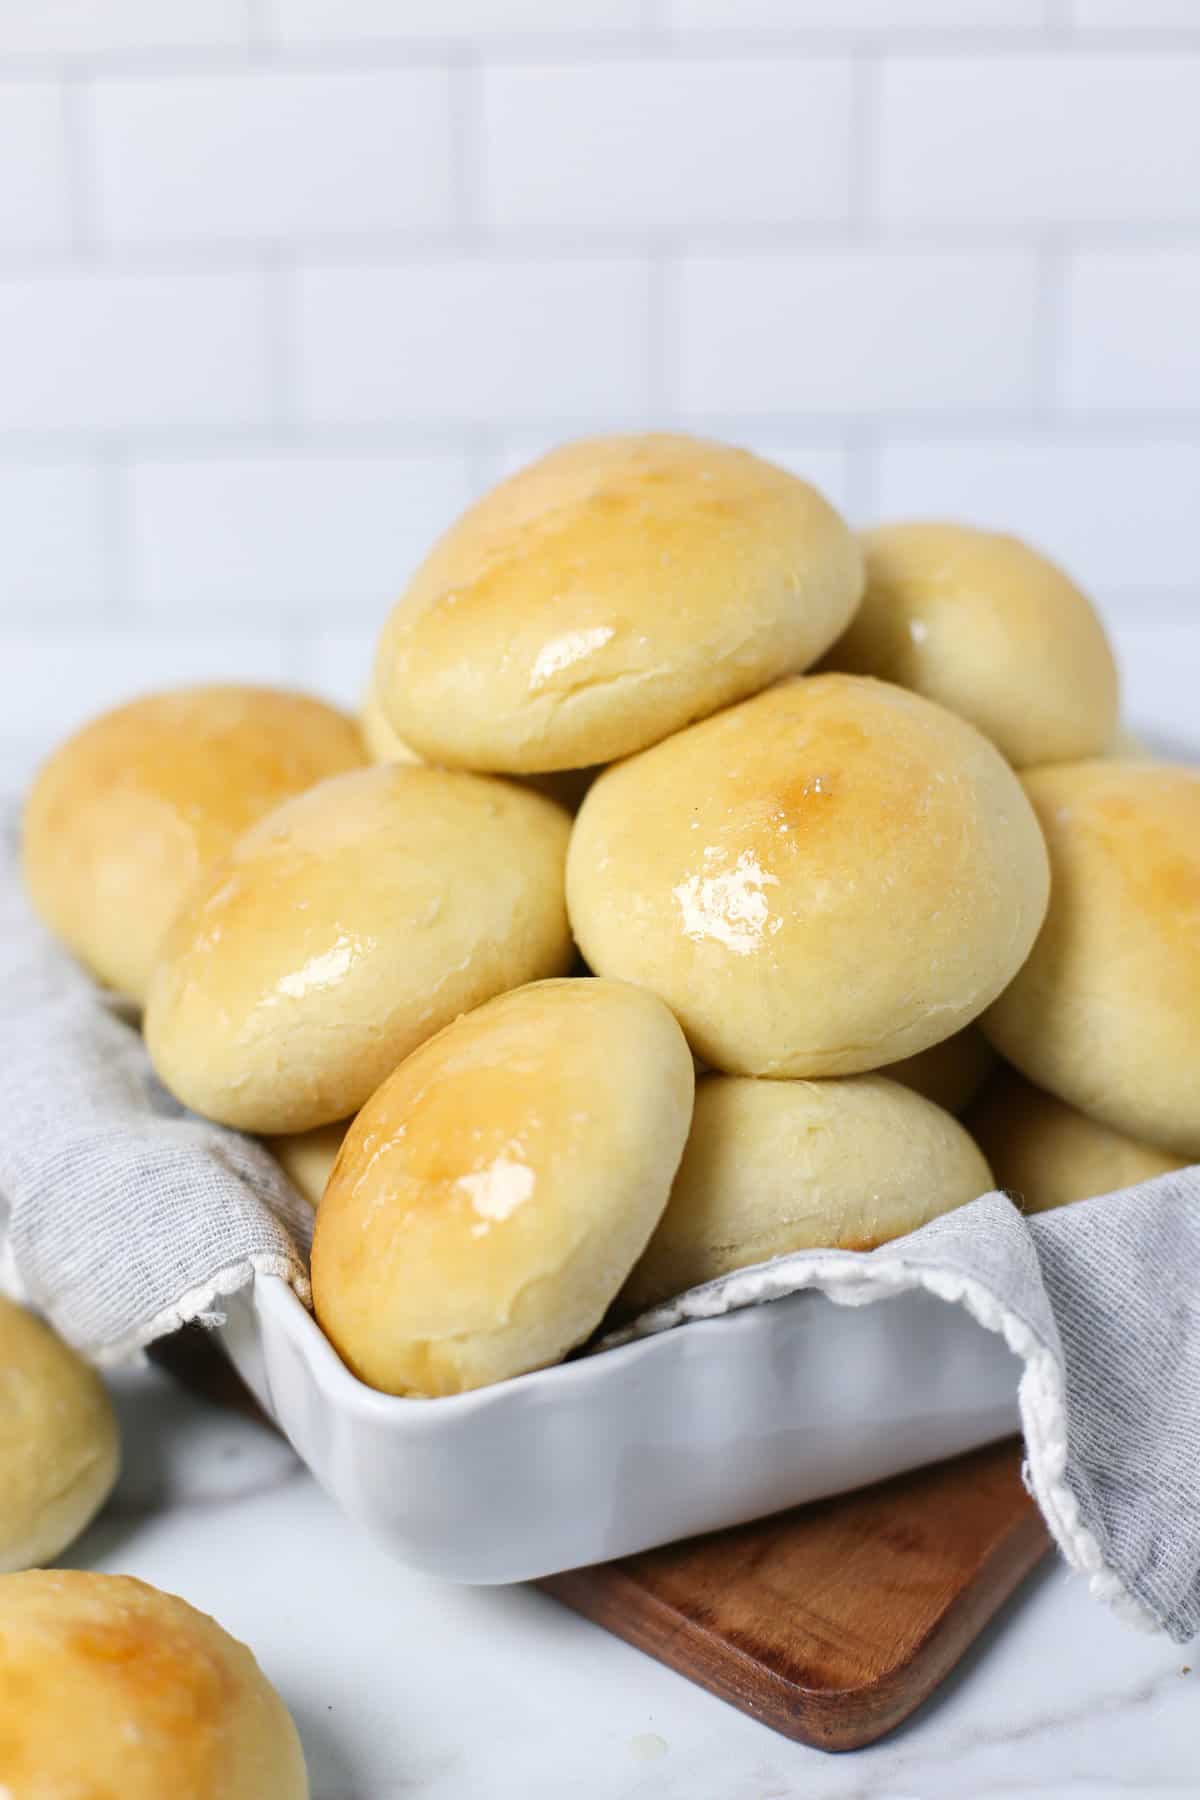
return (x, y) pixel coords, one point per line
(822, 880)
(1106, 1012)
(109, 1687)
(608, 595)
(346, 928)
(126, 814)
(1046, 1154)
(59, 1449)
(989, 628)
(491, 1198)
(774, 1166)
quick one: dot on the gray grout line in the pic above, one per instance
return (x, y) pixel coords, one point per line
(79, 166)
(779, 242)
(279, 346)
(865, 146)
(466, 156)
(663, 335)
(1049, 327)
(116, 500)
(652, 42)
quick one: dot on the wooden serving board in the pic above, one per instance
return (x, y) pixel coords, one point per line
(833, 1622)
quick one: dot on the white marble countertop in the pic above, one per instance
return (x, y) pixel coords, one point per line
(405, 1686)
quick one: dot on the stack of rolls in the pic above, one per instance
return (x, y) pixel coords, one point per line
(840, 826)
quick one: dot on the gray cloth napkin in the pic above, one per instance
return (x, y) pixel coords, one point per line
(126, 1216)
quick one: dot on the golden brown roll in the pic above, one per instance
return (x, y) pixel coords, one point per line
(774, 1166)
(989, 628)
(1106, 1012)
(109, 1687)
(126, 814)
(306, 1157)
(1047, 1154)
(344, 929)
(827, 878)
(491, 1198)
(950, 1073)
(607, 595)
(59, 1448)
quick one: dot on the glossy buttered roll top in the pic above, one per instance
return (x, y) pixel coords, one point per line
(125, 815)
(346, 928)
(822, 880)
(608, 595)
(491, 1198)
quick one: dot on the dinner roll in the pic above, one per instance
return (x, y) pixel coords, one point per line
(125, 814)
(824, 879)
(1106, 1012)
(950, 1073)
(986, 626)
(1047, 1154)
(773, 1166)
(59, 1447)
(607, 595)
(345, 928)
(491, 1198)
(306, 1157)
(110, 1688)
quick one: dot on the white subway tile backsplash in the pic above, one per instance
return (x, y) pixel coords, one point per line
(306, 22)
(336, 664)
(886, 18)
(270, 156)
(283, 283)
(53, 548)
(1131, 340)
(856, 331)
(1022, 140)
(286, 536)
(1136, 15)
(101, 352)
(627, 146)
(1120, 516)
(473, 341)
(34, 198)
(97, 27)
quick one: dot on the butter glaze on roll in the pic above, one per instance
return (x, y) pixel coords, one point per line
(126, 814)
(607, 595)
(110, 1688)
(343, 930)
(491, 1198)
(825, 879)
(1047, 1154)
(59, 1448)
(989, 628)
(1106, 1012)
(776, 1166)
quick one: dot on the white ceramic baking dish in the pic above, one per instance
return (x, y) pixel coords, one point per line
(711, 1423)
